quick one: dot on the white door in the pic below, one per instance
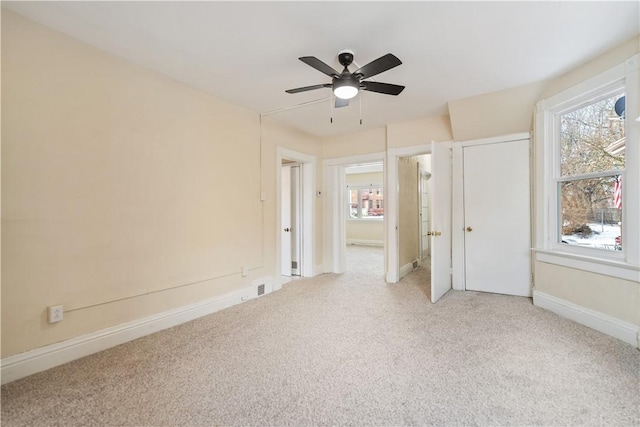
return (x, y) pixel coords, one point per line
(440, 219)
(296, 220)
(424, 214)
(285, 221)
(497, 218)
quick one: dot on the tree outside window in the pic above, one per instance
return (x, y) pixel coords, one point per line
(592, 162)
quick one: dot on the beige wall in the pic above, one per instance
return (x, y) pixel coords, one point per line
(368, 231)
(417, 132)
(355, 144)
(494, 114)
(594, 67)
(124, 192)
(615, 297)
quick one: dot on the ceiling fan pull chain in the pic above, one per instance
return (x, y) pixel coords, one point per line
(360, 108)
(331, 108)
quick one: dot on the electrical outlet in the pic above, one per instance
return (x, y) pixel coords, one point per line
(245, 271)
(55, 313)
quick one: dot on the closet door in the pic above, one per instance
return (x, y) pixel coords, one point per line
(497, 236)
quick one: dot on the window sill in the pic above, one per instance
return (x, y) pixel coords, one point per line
(606, 267)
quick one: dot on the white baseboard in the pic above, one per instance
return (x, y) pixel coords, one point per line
(24, 364)
(617, 328)
(406, 269)
(364, 242)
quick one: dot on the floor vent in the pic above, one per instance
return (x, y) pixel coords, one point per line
(294, 264)
(415, 264)
(261, 289)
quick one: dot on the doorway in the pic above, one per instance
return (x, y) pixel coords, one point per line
(364, 220)
(291, 219)
(336, 209)
(295, 213)
(440, 214)
(413, 212)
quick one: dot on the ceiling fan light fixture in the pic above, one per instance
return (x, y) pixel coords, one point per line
(344, 89)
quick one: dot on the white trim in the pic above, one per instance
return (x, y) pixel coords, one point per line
(601, 266)
(308, 183)
(368, 168)
(43, 358)
(354, 160)
(364, 242)
(495, 139)
(458, 235)
(391, 216)
(624, 331)
(406, 269)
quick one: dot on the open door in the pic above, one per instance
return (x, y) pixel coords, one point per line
(440, 219)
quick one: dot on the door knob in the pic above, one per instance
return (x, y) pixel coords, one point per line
(286, 229)
(469, 229)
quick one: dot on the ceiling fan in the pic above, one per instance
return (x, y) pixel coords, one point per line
(346, 85)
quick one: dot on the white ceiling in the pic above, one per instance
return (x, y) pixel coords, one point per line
(247, 52)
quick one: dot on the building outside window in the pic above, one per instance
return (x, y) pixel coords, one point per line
(365, 202)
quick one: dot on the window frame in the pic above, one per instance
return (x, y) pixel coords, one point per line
(625, 263)
(359, 188)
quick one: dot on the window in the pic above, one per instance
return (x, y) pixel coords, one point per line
(365, 202)
(588, 168)
(591, 141)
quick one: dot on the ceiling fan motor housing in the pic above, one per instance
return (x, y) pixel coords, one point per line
(345, 58)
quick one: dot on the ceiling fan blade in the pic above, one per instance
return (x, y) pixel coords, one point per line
(306, 88)
(378, 66)
(341, 102)
(319, 65)
(386, 88)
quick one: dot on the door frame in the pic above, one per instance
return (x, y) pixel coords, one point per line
(457, 190)
(308, 184)
(335, 212)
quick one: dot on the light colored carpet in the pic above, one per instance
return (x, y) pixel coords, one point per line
(348, 350)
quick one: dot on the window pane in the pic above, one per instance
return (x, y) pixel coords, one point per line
(589, 215)
(592, 139)
(353, 203)
(372, 202)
